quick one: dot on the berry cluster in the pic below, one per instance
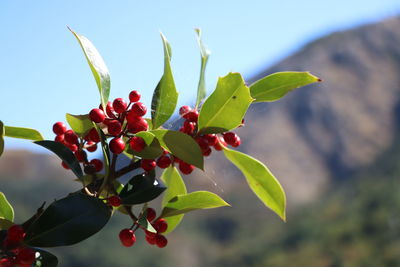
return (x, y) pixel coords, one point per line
(15, 252)
(128, 237)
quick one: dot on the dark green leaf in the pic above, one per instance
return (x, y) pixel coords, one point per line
(193, 201)
(225, 108)
(145, 223)
(23, 133)
(277, 85)
(5, 224)
(181, 145)
(97, 65)
(204, 53)
(165, 95)
(152, 150)
(2, 132)
(65, 154)
(81, 124)
(68, 221)
(261, 181)
(46, 259)
(141, 188)
(175, 186)
(6, 210)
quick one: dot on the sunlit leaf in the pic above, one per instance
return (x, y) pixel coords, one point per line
(144, 223)
(23, 133)
(5, 224)
(6, 210)
(152, 150)
(204, 53)
(81, 124)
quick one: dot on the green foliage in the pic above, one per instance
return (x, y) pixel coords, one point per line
(204, 54)
(152, 150)
(145, 224)
(81, 124)
(6, 210)
(46, 259)
(5, 224)
(22, 133)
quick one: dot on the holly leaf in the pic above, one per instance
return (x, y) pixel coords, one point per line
(152, 150)
(46, 259)
(6, 210)
(81, 124)
(204, 54)
(145, 223)
(277, 85)
(5, 224)
(22, 133)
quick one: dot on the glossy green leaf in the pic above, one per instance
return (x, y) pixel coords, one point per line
(6, 210)
(65, 154)
(204, 53)
(144, 223)
(175, 186)
(140, 189)
(181, 145)
(261, 181)
(225, 108)
(277, 85)
(165, 95)
(97, 66)
(5, 224)
(2, 131)
(23, 133)
(81, 124)
(68, 221)
(152, 150)
(46, 259)
(181, 204)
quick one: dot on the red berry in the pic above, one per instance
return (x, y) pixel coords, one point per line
(161, 241)
(163, 162)
(151, 214)
(151, 239)
(93, 135)
(148, 164)
(119, 105)
(114, 127)
(127, 237)
(139, 109)
(15, 233)
(185, 168)
(160, 225)
(176, 159)
(97, 115)
(114, 201)
(203, 143)
(137, 143)
(91, 146)
(230, 137)
(70, 137)
(220, 144)
(237, 142)
(138, 126)
(6, 262)
(184, 109)
(192, 116)
(212, 139)
(109, 110)
(72, 147)
(65, 166)
(59, 138)
(134, 96)
(80, 155)
(26, 256)
(117, 145)
(189, 127)
(131, 117)
(97, 164)
(206, 152)
(59, 128)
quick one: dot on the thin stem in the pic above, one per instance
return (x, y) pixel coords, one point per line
(110, 176)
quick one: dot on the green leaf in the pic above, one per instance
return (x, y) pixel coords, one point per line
(145, 223)
(140, 189)
(68, 221)
(81, 124)
(175, 186)
(152, 150)
(2, 131)
(46, 259)
(104, 148)
(6, 210)
(5, 224)
(181, 204)
(65, 154)
(277, 85)
(165, 95)
(261, 181)
(23, 133)
(97, 65)
(204, 53)
(225, 108)
(181, 145)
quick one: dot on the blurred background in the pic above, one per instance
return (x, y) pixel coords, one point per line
(334, 146)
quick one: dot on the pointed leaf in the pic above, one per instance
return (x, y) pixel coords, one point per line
(46, 259)
(277, 85)
(181, 145)
(5, 224)
(23, 133)
(261, 181)
(165, 95)
(175, 186)
(225, 108)
(152, 150)
(193, 201)
(81, 124)
(97, 66)
(204, 53)
(145, 223)
(65, 154)
(6, 210)
(2, 131)
(68, 221)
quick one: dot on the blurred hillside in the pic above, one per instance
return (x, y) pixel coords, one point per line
(334, 143)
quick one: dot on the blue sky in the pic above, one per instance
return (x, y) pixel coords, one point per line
(44, 73)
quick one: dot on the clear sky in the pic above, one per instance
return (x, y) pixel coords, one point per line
(44, 73)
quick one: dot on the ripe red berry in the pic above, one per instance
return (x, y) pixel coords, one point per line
(72, 147)
(185, 168)
(230, 137)
(93, 135)
(203, 143)
(109, 110)
(139, 109)
(15, 233)
(91, 146)
(117, 145)
(70, 137)
(138, 126)
(220, 144)
(59, 138)
(7, 262)
(237, 142)
(127, 237)
(97, 164)
(151, 239)
(114, 127)
(151, 214)
(25, 256)
(192, 116)
(212, 139)
(119, 105)
(161, 241)
(148, 164)
(114, 201)
(160, 225)
(184, 109)
(59, 128)
(97, 115)
(163, 162)
(137, 143)
(65, 166)
(131, 117)
(134, 96)
(189, 127)
(80, 155)
(206, 152)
